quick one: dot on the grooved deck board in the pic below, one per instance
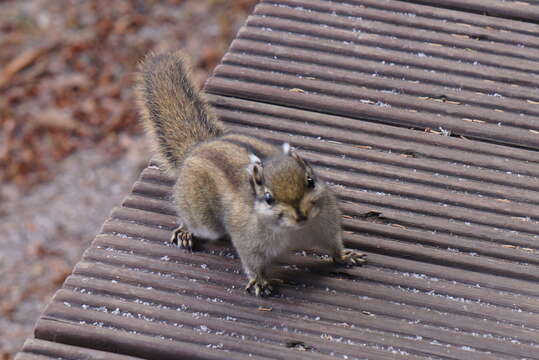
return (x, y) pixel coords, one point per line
(452, 279)
(35, 349)
(512, 9)
(450, 223)
(370, 62)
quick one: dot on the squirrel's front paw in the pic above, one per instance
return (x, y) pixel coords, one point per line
(350, 257)
(182, 238)
(260, 285)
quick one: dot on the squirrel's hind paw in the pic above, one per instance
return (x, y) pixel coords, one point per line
(182, 238)
(350, 257)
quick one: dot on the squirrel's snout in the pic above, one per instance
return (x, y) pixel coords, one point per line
(300, 217)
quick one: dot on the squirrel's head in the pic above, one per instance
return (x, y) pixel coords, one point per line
(287, 192)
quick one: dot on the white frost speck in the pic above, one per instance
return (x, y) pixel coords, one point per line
(445, 132)
(204, 328)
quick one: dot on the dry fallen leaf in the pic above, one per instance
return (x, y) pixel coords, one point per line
(297, 90)
(21, 61)
(474, 120)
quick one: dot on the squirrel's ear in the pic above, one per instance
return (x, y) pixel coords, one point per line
(298, 158)
(256, 173)
(255, 159)
(255, 169)
(286, 148)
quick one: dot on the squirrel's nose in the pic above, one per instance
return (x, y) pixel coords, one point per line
(300, 217)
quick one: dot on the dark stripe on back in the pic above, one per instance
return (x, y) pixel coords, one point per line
(220, 161)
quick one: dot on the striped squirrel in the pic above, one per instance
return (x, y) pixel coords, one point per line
(265, 198)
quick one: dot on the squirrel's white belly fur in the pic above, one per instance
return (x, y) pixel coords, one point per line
(205, 233)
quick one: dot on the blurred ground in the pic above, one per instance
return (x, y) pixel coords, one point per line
(66, 72)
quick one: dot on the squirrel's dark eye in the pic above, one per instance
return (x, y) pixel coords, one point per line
(310, 182)
(269, 198)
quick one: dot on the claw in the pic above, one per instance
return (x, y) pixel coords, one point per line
(351, 257)
(182, 238)
(260, 285)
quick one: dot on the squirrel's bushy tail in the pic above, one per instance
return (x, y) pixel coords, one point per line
(173, 110)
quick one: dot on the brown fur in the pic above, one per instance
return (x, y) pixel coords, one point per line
(175, 113)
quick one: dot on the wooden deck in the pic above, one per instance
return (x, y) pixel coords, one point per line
(424, 115)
